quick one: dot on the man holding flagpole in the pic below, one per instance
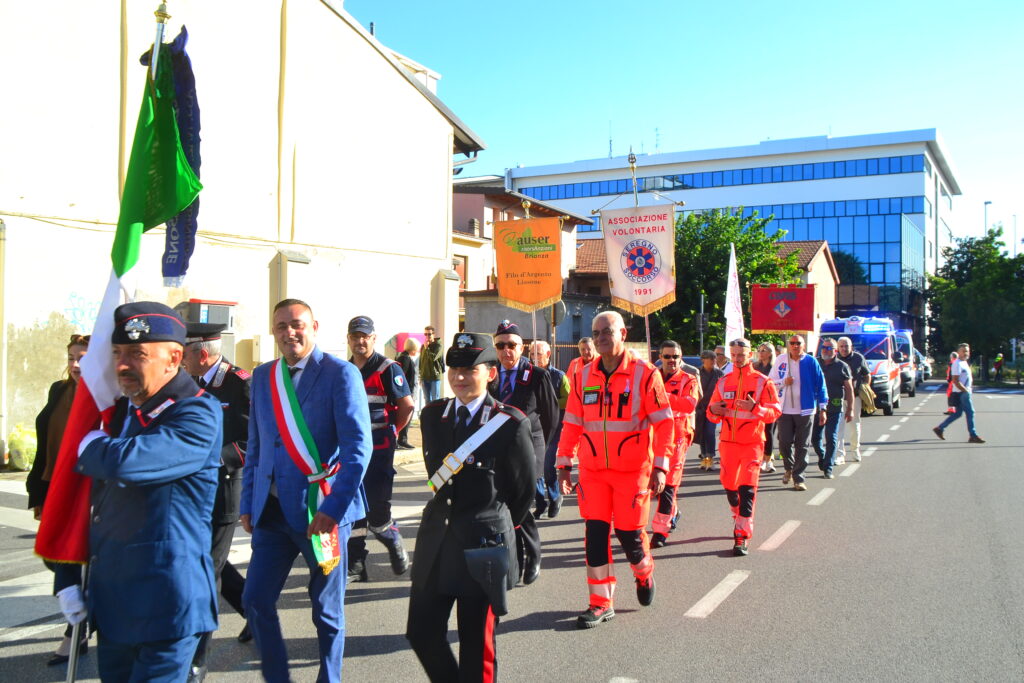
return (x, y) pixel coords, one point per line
(151, 590)
(308, 449)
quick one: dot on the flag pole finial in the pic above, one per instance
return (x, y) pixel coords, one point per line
(162, 18)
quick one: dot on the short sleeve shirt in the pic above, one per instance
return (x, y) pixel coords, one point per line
(836, 373)
(962, 371)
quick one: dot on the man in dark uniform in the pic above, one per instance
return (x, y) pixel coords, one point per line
(229, 384)
(479, 453)
(151, 592)
(521, 384)
(391, 409)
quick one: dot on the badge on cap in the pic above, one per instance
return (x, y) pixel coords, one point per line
(135, 327)
(505, 323)
(464, 341)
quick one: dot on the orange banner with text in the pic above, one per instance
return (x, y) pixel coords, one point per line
(529, 262)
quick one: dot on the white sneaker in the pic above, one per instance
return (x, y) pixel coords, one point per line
(771, 466)
(840, 460)
(856, 455)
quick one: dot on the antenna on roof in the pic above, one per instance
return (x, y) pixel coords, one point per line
(657, 140)
(609, 139)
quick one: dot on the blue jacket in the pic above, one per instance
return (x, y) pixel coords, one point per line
(151, 576)
(333, 403)
(813, 396)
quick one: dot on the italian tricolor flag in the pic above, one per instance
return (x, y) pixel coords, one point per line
(159, 185)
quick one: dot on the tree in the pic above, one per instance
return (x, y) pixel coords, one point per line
(849, 268)
(702, 266)
(977, 296)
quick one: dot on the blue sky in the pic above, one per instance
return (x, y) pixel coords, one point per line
(540, 82)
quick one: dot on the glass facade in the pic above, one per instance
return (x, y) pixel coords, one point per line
(822, 170)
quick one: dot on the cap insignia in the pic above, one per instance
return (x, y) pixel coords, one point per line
(135, 327)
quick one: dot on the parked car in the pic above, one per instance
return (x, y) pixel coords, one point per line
(924, 367)
(907, 362)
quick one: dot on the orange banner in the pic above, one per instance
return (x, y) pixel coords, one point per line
(529, 262)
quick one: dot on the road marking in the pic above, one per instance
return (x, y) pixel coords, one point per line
(850, 469)
(8, 635)
(821, 497)
(780, 535)
(622, 679)
(18, 519)
(904, 419)
(13, 487)
(718, 594)
(883, 437)
(894, 428)
(869, 452)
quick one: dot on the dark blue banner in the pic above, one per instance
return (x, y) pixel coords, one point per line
(181, 230)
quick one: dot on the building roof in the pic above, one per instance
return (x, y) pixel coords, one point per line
(806, 251)
(494, 186)
(591, 258)
(929, 136)
(465, 140)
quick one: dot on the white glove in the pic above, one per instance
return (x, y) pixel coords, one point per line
(72, 604)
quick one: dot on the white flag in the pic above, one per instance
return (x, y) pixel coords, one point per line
(733, 304)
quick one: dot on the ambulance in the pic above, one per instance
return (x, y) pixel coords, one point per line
(908, 366)
(875, 339)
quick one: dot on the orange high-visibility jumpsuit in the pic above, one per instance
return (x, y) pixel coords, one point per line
(683, 391)
(741, 444)
(619, 427)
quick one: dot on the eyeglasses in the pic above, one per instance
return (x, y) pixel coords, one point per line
(606, 332)
(722, 355)
(667, 357)
(505, 345)
(795, 343)
(828, 348)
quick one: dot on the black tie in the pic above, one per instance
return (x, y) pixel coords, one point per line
(462, 425)
(292, 371)
(202, 382)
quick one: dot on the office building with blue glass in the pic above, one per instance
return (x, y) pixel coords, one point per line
(884, 199)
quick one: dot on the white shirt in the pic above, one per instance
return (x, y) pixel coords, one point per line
(301, 365)
(211, 373)
(473, 406)
(962, 371)
(790, 394)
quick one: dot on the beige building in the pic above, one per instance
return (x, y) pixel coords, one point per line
(815, 260)
(304, 118)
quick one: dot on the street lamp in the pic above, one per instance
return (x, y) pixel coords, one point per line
(986, 215)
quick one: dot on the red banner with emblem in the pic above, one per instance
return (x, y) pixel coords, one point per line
(782, 308)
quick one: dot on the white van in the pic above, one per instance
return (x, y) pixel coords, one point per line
(875, 339)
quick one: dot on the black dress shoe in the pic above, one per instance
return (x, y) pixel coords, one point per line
(541, 507)
(357, 572)
(399, 559)
(246, 635)
(56, 659)
(554, 507)
(531, 572)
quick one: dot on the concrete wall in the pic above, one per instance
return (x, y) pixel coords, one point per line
(303, 123)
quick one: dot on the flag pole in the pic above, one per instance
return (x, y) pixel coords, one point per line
(636, 204)
(161, 21)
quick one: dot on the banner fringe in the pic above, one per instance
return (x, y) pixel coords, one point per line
(645, 309)
(529, 308)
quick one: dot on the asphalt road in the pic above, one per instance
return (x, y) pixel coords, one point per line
(907, 566)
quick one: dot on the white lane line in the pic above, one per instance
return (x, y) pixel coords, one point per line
(894, 428)
(883, 437)
(9, 635)
(821, 497)
(780, 535)
(13, 487)
(904, 419)
(868, 453)
(18, 519)
(717, 595)
(850, 469)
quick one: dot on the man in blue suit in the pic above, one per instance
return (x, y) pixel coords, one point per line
(309, 426)
(151, 587)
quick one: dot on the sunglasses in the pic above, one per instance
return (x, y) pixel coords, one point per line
(795, 343)
(667, 357)
(505, 345)
(828, 348)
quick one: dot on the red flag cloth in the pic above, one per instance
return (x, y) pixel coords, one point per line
(64, 530)
(782, 308)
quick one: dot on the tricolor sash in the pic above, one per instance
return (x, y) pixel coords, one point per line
(301, 448)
